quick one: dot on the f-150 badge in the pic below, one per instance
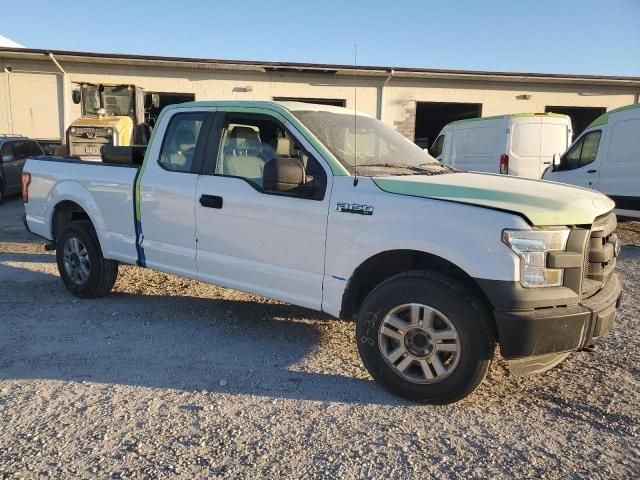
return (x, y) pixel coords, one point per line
(354, 208)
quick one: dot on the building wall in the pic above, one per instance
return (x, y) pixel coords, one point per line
(496, 98)
(32, 100)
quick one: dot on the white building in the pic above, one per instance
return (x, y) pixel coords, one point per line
(36, 86)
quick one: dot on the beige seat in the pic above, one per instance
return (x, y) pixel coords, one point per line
(242, 154)
(180, 154)
(285, 148)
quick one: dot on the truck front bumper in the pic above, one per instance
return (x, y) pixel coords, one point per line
(538, 339)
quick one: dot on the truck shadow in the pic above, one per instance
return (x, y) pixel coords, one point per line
(180, 342)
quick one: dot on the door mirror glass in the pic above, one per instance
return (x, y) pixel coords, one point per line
(75, 96)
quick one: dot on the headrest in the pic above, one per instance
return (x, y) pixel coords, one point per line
(185, 137)
(245, 138)
(283, 147)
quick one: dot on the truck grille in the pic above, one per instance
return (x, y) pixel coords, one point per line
(600, 255)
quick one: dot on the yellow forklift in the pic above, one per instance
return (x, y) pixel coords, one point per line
(115, 115)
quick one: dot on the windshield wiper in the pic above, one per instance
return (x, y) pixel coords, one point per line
(387, 165)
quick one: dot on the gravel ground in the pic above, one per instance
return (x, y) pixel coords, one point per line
(173, 378)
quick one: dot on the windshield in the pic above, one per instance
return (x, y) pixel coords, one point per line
(118, 100)
(364, 140)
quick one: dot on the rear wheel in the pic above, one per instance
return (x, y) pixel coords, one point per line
(83, 269)
(425, 337)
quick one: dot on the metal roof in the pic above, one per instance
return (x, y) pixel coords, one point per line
(293, 67)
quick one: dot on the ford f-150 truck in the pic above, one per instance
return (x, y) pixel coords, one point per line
(330, 209)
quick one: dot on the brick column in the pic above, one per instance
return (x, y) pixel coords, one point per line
(407, 126)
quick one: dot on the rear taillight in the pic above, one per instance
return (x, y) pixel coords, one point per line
(26, 180)
(504, 164)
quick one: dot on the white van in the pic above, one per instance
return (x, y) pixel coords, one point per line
(521, 144)
(606, 157)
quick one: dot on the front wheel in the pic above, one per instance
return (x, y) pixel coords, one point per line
(425, 337)
(83, 269)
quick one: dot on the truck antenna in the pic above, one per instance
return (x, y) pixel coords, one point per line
(355, 114)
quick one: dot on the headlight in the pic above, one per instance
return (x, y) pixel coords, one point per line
(73, 129)
(532, 247)
(109, 131)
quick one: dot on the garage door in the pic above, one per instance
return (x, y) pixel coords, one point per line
(34, 104)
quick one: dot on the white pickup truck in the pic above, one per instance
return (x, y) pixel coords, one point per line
(332, 210)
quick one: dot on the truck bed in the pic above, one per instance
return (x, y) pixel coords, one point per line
(105, 189)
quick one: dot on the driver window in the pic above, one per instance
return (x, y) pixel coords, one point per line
(248, 143)
(179, 143)
(582, 153)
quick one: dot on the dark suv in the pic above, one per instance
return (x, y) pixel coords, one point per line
(14, 151)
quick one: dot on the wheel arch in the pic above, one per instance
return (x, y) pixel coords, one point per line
(65, 212)
(381, 266)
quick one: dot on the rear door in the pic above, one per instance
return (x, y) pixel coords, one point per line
(167, 188)
(251, 238)
(555, 137)
(524, 152)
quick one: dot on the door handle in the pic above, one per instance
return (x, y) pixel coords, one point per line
(211, 201)
(546, 163)
(591, 171)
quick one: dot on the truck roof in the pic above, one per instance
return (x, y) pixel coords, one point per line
(604, 118)
(286, 105)
(510, 116)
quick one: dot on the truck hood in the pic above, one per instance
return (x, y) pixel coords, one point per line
(541, 203)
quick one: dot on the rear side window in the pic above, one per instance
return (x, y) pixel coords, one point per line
(22, 149)
(583, 152)
(34, 149)
(179, 144)
(625, 142)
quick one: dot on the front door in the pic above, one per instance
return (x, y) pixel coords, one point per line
(252, 236)
(579, 165)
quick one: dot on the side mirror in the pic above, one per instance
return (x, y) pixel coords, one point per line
(286, 175)
(76, 96)
(556, 161)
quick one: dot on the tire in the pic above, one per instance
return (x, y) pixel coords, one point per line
(83, 269)
(424, 336)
